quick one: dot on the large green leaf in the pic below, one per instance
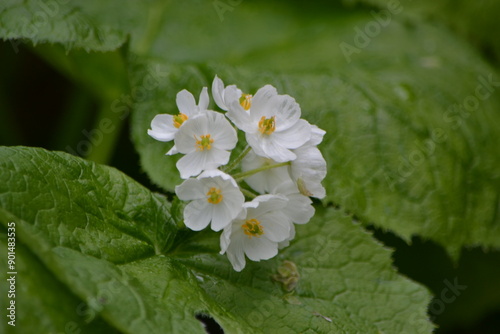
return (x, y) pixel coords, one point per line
(53, 309)
(90, 25)
(109, 240)
(411, 114)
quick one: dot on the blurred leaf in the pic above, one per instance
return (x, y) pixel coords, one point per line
(475, 20)
(101, 244)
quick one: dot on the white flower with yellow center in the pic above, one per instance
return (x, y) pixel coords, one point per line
(256, 231)
(225, 96)
(307, 170)
(165, 126)
(214, 198)
(205, 141)
(272, 123)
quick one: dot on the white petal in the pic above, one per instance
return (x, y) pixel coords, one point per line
(235, 250)
(309, 169)
(217, 93)
(286, 243)
(266, 203)
(273, 149)
(287, 112)
(186, 103)
(190, 189)
(299, 209)
(215, 158)
(309, 165)
(276, 225)
(195, 215)
(264, 103)
(260, 249)
(172, 151)
(224, 134)
(225, 238)
(264, 181)
(293, 137)
(204, 99)
(162, 128)
(221, 217)
(316, 136)
(191, 164)
(185, 141)
(239, 116)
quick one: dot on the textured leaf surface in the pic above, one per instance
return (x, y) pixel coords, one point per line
(53, 309)
(411, 116)
(75, 24)
(347, 282)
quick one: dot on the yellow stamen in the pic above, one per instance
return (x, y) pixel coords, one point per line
(214, 196)
(179, 119)
(267, 125)
(205, 143)
(246, 101)
(302, 187)
(252, 228)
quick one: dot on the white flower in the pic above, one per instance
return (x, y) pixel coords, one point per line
(308, 170)
(226, 96)
(264, 181)
(257, 231)
(271, 122)
(299, 207)
(165, 126)
(205, 141)
(215, 198)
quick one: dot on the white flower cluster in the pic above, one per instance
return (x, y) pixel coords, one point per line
(281, 163)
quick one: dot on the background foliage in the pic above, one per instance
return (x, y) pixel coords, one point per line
(408, 94)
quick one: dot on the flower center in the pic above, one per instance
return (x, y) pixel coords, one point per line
(179, 119)
(205, 143)
(252, 228)
(267, 125)
(246, 101)
(214, 196)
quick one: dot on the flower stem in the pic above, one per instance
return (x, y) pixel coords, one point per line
(236, 161)
(248, 193)
(243, 175)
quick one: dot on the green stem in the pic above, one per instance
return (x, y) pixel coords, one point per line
(236, 161)
(248, 193)
(243, 175)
